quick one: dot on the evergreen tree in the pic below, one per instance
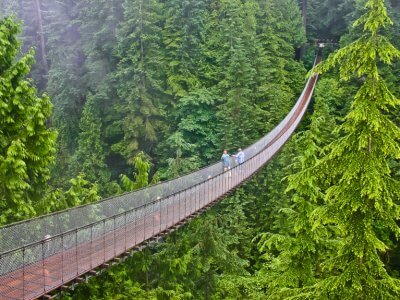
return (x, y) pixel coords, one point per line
(279, 76)
(293, 253)
(140, 84)
(90, 156)
(98, 23)
(27, 146)
(183, 35)
(329, 19)
(195, 141)
(66, 83)
(362, 198)
(238, 114)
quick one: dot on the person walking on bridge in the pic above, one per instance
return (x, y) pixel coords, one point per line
(226, 160)
(239, 157)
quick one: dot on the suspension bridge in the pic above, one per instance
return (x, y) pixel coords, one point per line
(49, 253)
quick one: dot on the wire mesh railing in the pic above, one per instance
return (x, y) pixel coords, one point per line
(41, 254)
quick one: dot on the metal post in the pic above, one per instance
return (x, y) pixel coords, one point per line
(159, 206)
(43, 268)
(62, 258)
(76, 251)
(135, 230)
(104, 240)
(91, 246)
(125, 232)
(23, 273)
(114, 237)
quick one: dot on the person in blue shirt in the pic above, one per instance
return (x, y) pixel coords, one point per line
(226, 160)
(239, 156)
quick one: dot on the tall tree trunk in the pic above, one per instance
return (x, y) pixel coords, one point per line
(304, 13)
(42, 39)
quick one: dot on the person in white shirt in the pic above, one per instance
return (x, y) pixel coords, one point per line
(239, 156)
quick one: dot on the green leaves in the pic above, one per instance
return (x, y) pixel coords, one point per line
(361, 196)
(141, 175)
(27, 146)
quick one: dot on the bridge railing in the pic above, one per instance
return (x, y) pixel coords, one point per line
(52, 250)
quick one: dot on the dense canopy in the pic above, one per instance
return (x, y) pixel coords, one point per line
(101, 97)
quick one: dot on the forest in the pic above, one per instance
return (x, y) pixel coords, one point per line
(103, 97)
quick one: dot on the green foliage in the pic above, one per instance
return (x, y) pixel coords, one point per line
(183, 34)
(329, 19)
(361, 198)
(181, 163)
(293, 255)
(27, 146)
(139, 77)
(167, 85)
(195, 142)
(141, 176)
(90, 156)
(79, 192)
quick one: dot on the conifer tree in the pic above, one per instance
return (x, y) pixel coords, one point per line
(195, 141)
(297, 245)
(90, 156)
(183, 34)
(98, 23)
(66, 83)
(238, 114)
(139, 77)
(27, 146)
(280, 31)
(362, 198)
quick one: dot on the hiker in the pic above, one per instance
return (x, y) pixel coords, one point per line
(239, 157)
(226, 161)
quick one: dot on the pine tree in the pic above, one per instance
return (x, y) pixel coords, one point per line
(67, 84)
(361, 200)
(90, 156)
(27, 146)
(195, 142)
(238, 114)
(98, 23)
(293, 253)
(279, 76)
(139, 77)
(183, 35)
